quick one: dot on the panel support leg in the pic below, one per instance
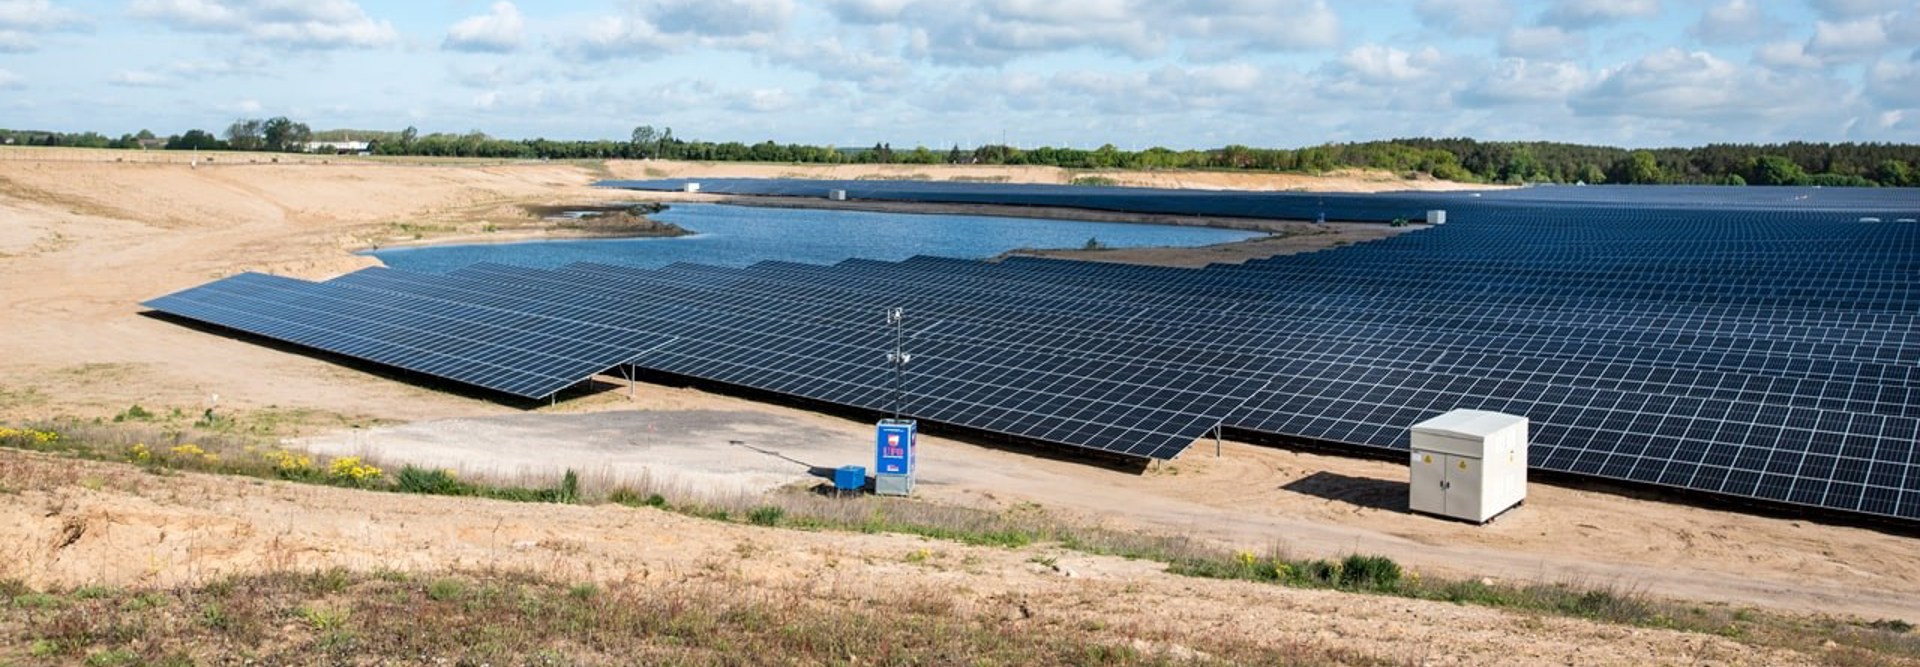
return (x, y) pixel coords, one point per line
(1216, 441)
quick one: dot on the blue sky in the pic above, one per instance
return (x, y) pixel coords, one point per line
(1136, 73)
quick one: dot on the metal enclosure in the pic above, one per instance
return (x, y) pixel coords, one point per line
(1468, 464)
(895, 457)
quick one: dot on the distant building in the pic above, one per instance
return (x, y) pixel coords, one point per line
(338, 147)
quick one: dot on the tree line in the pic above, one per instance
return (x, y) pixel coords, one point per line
(1455, 159)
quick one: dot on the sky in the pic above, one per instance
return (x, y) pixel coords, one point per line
(1134, 73)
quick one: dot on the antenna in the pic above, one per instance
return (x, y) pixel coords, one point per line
(898, 358)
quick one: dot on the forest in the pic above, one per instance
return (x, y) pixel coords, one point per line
(1455, 159)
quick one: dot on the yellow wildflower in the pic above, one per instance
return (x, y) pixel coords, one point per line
(351, 469)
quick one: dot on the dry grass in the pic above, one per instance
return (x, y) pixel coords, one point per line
(339, 617)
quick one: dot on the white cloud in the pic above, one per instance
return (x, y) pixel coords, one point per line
(1845, 40)
(1517, 81)
(619, 37)
(1786, 56)
(10, 80)
(21, 20)
(762, 100)
(1219, 29)
(1544, 42)
(1848, 9)
(1471, 17)
(38, 15)
(1895, 83)
(14, 41)
(238, 65)
(137, 79)
(314, 24)
(718, 18)
(1579, 14)
(993, 32)
(658, 27)
(832, 60)
(497, 31)
(1374, 63)
(1677, 84)
(1736, 22)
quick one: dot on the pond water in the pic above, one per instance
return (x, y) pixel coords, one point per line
(740, 235)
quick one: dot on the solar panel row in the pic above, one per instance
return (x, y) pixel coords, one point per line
(1756, 344)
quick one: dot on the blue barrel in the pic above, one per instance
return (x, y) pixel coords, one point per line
(850, 478)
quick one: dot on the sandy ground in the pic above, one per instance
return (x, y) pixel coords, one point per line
(70, 523)
(84, 238)
(1349, 180)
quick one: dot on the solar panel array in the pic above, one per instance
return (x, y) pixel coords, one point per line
(1752, 343)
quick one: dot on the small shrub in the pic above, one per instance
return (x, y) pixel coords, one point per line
(583, 591)
(430, 481)
(766, 515)
(113, 658)
(1892, 625)
(134, 413)
(569, 491)
(1377, 573)
(632, 498)
(445, 590)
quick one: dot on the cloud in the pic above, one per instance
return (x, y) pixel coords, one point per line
(1546, 42)
(657, 27)
(239, 65)
(761, 100)
(718, 18)
(1581, 14)
(1677, 84)
(21, 20)
(14, 41)
(832, 60)
(39, 15)
(1517, 81)
(314, 24)
(619, 37)
(497, 31)
(1786, 56)
(137, 79)
(994, 32)
(1847, 40)
(1849, 9)
(1221, 29)
(10, 80)
(1471, 17)
(1736, 22)
(1383, 77)
(867, 12)
(1895, 84)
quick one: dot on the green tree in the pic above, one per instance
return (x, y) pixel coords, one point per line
(1775, 170)
(244, 134)
(281, 134)
(1894, 173)
(1639, 167)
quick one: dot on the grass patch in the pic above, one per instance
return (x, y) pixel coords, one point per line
(1094, 180)
(495, 618)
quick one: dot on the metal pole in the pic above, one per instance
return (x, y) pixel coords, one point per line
(1216, 441)
(898, 357)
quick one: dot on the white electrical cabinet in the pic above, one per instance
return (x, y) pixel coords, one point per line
(1468, 464)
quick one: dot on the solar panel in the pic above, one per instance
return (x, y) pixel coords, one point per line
(1751, 343)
